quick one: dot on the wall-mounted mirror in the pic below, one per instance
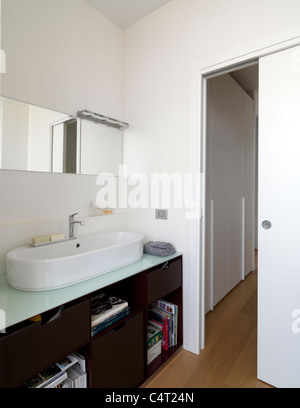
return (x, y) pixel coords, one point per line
(37, 139)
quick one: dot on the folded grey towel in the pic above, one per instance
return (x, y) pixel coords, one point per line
(159, 248)
(162, 245)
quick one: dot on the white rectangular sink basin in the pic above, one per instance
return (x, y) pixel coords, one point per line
(67, 263)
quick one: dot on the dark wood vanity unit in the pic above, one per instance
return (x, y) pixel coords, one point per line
(117, 356)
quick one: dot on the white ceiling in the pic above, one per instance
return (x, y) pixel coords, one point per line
(126, 12)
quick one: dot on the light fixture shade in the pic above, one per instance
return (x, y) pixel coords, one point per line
(104, 120)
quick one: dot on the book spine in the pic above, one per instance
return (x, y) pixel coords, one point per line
(170, 325)
(176, 325)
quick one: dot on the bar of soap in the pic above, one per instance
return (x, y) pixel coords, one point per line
(57, 237)
(41, 240)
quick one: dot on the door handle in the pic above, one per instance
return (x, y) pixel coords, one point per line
(267, 225)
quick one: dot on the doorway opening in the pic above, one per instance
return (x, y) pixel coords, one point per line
(231, 179)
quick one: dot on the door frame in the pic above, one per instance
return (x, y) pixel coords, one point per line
(197, 226)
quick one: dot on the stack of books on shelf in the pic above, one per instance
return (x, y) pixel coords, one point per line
(107, 310)
(76, 371)
(165, 316)
(68, 373)
(154, 336)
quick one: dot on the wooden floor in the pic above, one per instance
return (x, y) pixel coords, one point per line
(230, 357)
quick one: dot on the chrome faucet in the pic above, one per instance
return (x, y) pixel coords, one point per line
(71, 225)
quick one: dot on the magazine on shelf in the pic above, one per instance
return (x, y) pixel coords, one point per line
(164, 330)
(77, 378)
(57, 382)
(173, 310)
(67, 362)
(154, 335)
(67, 373)
(111, 320)
(163, 321)
(154, 352)
(47, 379)
(68, 383)
(165, 317)
(105, 306)
(81, 361)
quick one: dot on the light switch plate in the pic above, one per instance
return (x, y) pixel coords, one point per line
(161, 214)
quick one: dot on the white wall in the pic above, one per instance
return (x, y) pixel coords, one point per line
(160, 52)
(64, 56)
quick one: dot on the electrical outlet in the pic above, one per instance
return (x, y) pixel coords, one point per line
(161, 214)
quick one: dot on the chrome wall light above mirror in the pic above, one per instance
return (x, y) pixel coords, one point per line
(37, 139)
(104, 120)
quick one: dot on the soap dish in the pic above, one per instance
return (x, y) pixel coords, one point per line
(46, 243)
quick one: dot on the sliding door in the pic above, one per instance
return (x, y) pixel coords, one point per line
(279, 220)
